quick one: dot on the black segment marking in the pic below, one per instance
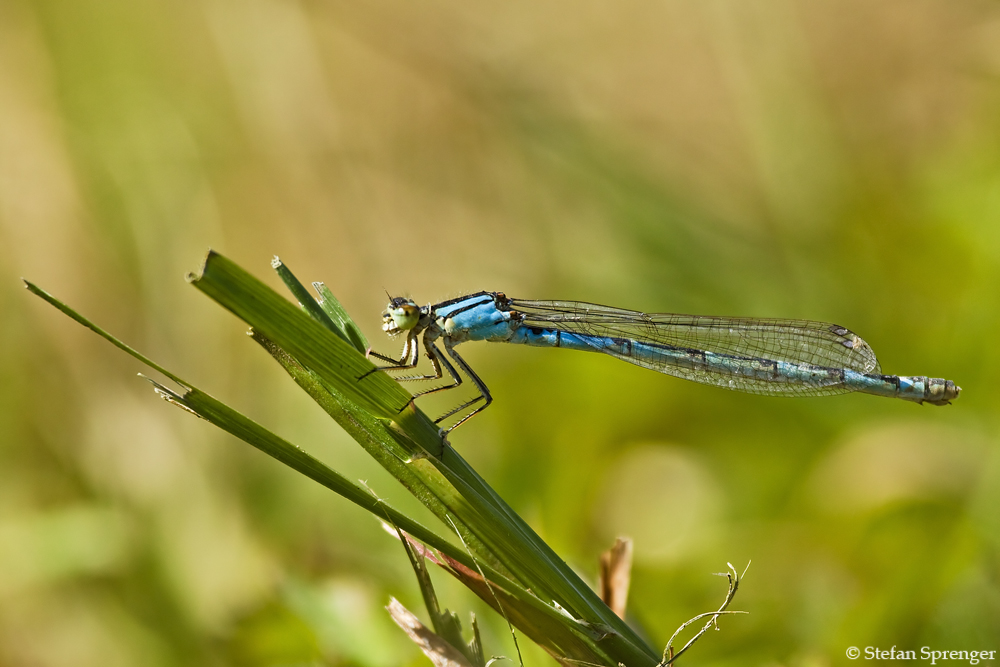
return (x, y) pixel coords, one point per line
(891, 379)
(459, 311)
(461, 298)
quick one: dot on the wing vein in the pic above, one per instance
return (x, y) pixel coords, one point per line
(753, 340)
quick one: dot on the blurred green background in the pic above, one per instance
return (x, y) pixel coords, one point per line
(836, 161)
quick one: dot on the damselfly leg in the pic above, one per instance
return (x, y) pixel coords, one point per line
(440, 363)
(484, 392)
(407, 359)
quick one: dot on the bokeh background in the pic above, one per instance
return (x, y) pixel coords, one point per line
(837, 161)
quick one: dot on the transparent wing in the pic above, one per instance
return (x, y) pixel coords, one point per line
(746, 342)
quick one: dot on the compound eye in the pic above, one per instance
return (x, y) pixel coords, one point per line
(405, 316)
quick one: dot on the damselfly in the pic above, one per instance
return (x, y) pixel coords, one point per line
(757, 356)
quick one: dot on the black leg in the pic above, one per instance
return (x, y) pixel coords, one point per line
(440, 363)
(437, 359)
(484, 392)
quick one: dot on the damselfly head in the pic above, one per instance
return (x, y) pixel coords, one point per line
(401, 314)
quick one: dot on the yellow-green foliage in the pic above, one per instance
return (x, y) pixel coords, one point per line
(822, 160)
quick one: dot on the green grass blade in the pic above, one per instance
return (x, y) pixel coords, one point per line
(388, 448)
(446, 624)
(231, 421)
(72, 314)
(514, 568)
(315, 346)
(329, 303)
(306, 300)
(492, 531)
(422, 479)
(217, 413)
(548, 627)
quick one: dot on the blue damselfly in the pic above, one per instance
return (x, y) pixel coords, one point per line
(757, 356)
